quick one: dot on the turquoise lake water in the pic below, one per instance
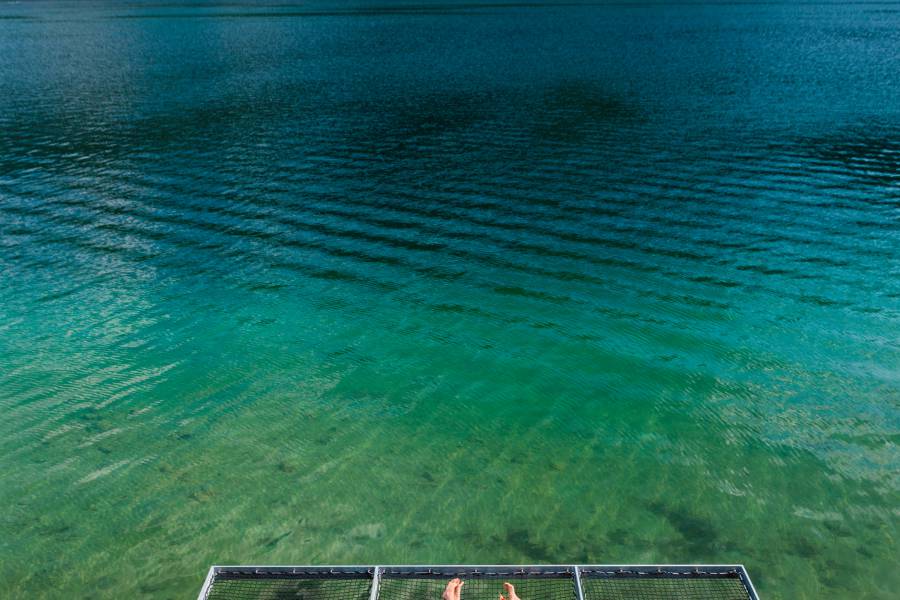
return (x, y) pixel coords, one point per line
(448, 283)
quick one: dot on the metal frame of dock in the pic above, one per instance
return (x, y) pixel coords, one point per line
(578, 574)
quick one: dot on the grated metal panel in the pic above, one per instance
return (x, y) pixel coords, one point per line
(480, 584)
(689, 584)
(538, 582)
(289, 585)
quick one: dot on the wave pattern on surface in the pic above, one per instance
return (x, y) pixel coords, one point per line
(558, 283)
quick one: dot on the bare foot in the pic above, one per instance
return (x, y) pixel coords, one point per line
(510, 592)
(454, 587)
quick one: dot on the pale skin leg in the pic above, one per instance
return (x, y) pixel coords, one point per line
(454, 587)
(510, 592)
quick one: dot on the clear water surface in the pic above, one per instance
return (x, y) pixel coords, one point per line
(310, 282)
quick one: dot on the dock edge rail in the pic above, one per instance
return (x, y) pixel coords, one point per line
(374, 573)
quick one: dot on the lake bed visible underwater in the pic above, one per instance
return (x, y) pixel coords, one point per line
(448, 283)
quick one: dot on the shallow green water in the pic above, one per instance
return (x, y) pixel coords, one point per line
(455, 283)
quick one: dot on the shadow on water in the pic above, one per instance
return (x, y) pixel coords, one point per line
(574, 110)
(699, 537)
(523, 542)
(414, 118)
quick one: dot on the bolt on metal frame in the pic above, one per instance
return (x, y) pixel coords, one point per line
(375, 572)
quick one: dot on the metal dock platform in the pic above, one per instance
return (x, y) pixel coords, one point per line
(482, 582)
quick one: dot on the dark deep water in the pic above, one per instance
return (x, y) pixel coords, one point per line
(444, 282)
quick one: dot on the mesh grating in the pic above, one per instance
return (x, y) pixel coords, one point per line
(479, 585)
(625, 585)
(289, 586)
(550, 582)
